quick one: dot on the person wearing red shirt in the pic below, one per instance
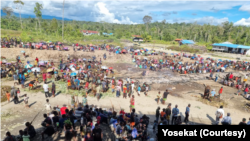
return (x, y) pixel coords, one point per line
(44, 77)
(63, 109)
(220, 91)
(231, 76)
(122, 112)
(37, 59)
(87, 85)
(246, 90)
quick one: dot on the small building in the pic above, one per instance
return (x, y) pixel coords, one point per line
(177, 40)
(137, 39)
(186, 42)
(230, 48)
(89, 32)
(107, 33)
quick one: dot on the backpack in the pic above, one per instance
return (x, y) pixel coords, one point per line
(218, 114)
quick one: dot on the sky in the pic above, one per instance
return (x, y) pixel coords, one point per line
(133, 11)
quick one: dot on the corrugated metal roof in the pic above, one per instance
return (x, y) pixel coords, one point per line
(187, 41)
(231, 45)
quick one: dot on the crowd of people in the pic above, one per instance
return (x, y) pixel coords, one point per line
(175, 63)
(93, 77)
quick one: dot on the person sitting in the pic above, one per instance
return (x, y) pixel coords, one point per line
(225, 82)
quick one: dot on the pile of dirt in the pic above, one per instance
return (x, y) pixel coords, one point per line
(4, 89)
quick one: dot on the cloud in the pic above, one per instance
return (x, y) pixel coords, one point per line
(203, 20)
(105, 15)
(214, 10)
(245, 8)
(243, 21)
(88, 10)
(166, 14)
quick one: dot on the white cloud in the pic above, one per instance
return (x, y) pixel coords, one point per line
(124, 12)
(203, 20)
(245, 8)
(107, 16)
(243, 21)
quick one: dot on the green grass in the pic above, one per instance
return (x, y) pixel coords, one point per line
(184, 48)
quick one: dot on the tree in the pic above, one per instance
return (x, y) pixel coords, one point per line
(54, 25)
(8, 11)
(19, 5)
(146, 37)
(147, 20)
(63, 19)
(37, 11)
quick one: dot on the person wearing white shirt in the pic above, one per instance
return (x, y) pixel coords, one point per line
(219, 115)
(226, 120)
(132, 86)
(46, 89)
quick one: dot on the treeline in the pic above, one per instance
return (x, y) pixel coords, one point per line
(206, 33)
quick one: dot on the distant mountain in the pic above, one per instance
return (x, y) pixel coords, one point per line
(32, 16)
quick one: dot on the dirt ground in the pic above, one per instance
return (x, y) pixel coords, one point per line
(14, 116)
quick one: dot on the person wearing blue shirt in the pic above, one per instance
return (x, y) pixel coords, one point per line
(187, 113)
(175, 112)
(61, 121)
(77, 81)
(139, 90)
(22, 80)
(212, 94)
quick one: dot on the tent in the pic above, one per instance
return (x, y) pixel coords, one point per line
(28, 66)
(104, 67)
(36, 69)
(73, 74)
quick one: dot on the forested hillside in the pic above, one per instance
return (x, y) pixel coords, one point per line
(159, 32)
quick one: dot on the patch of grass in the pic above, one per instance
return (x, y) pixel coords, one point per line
(215, 102)
(3, 92)
(184, 48)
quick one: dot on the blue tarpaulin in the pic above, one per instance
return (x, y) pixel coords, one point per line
(187, 41)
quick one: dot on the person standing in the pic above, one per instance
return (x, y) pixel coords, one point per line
(226, 120)
(124, 92)
(168, 113)
(132, 103)
(175, 112)
(55, 74)
(216, 77)
(26, 101)
(132, 87)
(158, 97)
(84, 101)
(220, 92)
(13, 93)
(157, 115)
(118, 89)
(165, 95)
(139, 90)
(44, 77)
(53, 89)
(219, 115)
(46, 89)
(15, 79)
(8, 96)
(77, 82)
(22, 80)
(47, 106)
(187, 113)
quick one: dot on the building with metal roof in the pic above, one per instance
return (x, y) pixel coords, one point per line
(231, 48)
(188, 42)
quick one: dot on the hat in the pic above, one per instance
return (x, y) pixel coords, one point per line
(132, 82)
(12, 87)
